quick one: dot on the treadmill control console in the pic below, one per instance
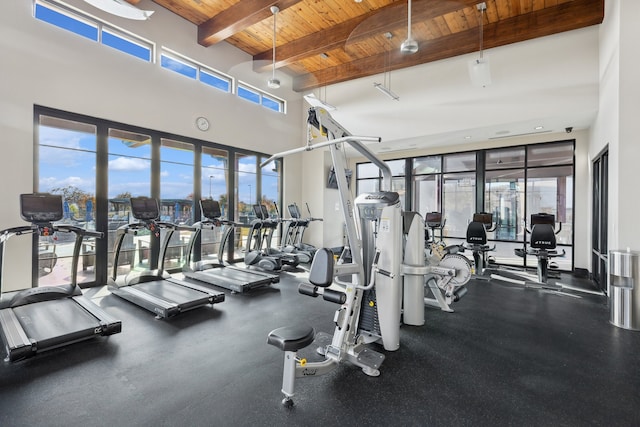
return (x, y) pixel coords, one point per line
(41, 208)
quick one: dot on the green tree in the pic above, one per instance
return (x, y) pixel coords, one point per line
(73, 194)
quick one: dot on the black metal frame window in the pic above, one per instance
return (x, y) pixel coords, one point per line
(96, 164)
(510, 182)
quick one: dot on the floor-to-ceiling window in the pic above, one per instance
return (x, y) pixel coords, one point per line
(504, 197)
(549, 179)
(511, 183)
(177, 196)
(129, 166)
(214, 184)
(427, 184)
(66, 166)
(246, 166)
(458, 193)
(97, 165)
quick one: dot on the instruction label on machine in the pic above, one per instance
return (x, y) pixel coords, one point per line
(385, 225)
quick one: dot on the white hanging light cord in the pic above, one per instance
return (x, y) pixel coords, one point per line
(275, 23)
(482, 9)
(409, 21)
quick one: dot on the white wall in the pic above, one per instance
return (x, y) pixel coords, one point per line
(617, 123)
(48, 66)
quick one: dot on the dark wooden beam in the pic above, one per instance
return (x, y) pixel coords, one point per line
(237, 18)
(389, 18)
(563, 17)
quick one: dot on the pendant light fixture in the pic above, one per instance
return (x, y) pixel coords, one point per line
(385, 87)
(121, 8)
(274, 83)
(409, 46)
(479, 69)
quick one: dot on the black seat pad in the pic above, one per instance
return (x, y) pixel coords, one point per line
(291, 338)
(543, 237)
(476, 233)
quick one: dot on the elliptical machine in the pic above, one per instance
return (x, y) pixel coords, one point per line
(259, 252)
(294, 231)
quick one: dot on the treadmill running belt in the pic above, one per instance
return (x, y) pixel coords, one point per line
(171, 292)
(54, 322)
(237, 276)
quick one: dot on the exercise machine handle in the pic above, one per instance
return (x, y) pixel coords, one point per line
(374, 270)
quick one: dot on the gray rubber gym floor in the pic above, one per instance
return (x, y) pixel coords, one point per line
(507, 356)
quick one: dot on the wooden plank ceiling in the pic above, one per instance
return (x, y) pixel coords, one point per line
(321, 42)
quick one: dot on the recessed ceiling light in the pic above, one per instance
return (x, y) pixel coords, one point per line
(539, 127)
(324, 55)
(467, 137)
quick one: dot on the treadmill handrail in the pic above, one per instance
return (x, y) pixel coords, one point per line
(8, 233)
(80, 234)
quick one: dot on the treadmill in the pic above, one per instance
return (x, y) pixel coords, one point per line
(156, 290)
(35, 320)
(218, 273)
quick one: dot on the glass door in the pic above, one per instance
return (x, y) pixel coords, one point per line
(176, 197)
(129, 175)
(66, 166)
(246, 179)
(214, 184)
(599, 237)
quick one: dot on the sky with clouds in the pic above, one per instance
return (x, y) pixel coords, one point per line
(67, 158)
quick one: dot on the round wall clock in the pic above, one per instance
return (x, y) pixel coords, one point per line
(202, 123)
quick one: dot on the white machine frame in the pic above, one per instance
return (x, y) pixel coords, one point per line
(383, 273)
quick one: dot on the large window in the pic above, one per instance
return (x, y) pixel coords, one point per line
(214, 184)
(98, 165)
(520, 181)
(458, 192)
(246, 191)
(511, 183)
(129, 166)
(369, 178)
(176, 196)
(427, 183)
(67, 153)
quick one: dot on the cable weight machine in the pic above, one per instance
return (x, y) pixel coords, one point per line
(386, 278)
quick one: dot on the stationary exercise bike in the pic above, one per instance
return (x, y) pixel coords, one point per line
(451, 289)
(436, 246)
(476, 242)
(543, 243)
